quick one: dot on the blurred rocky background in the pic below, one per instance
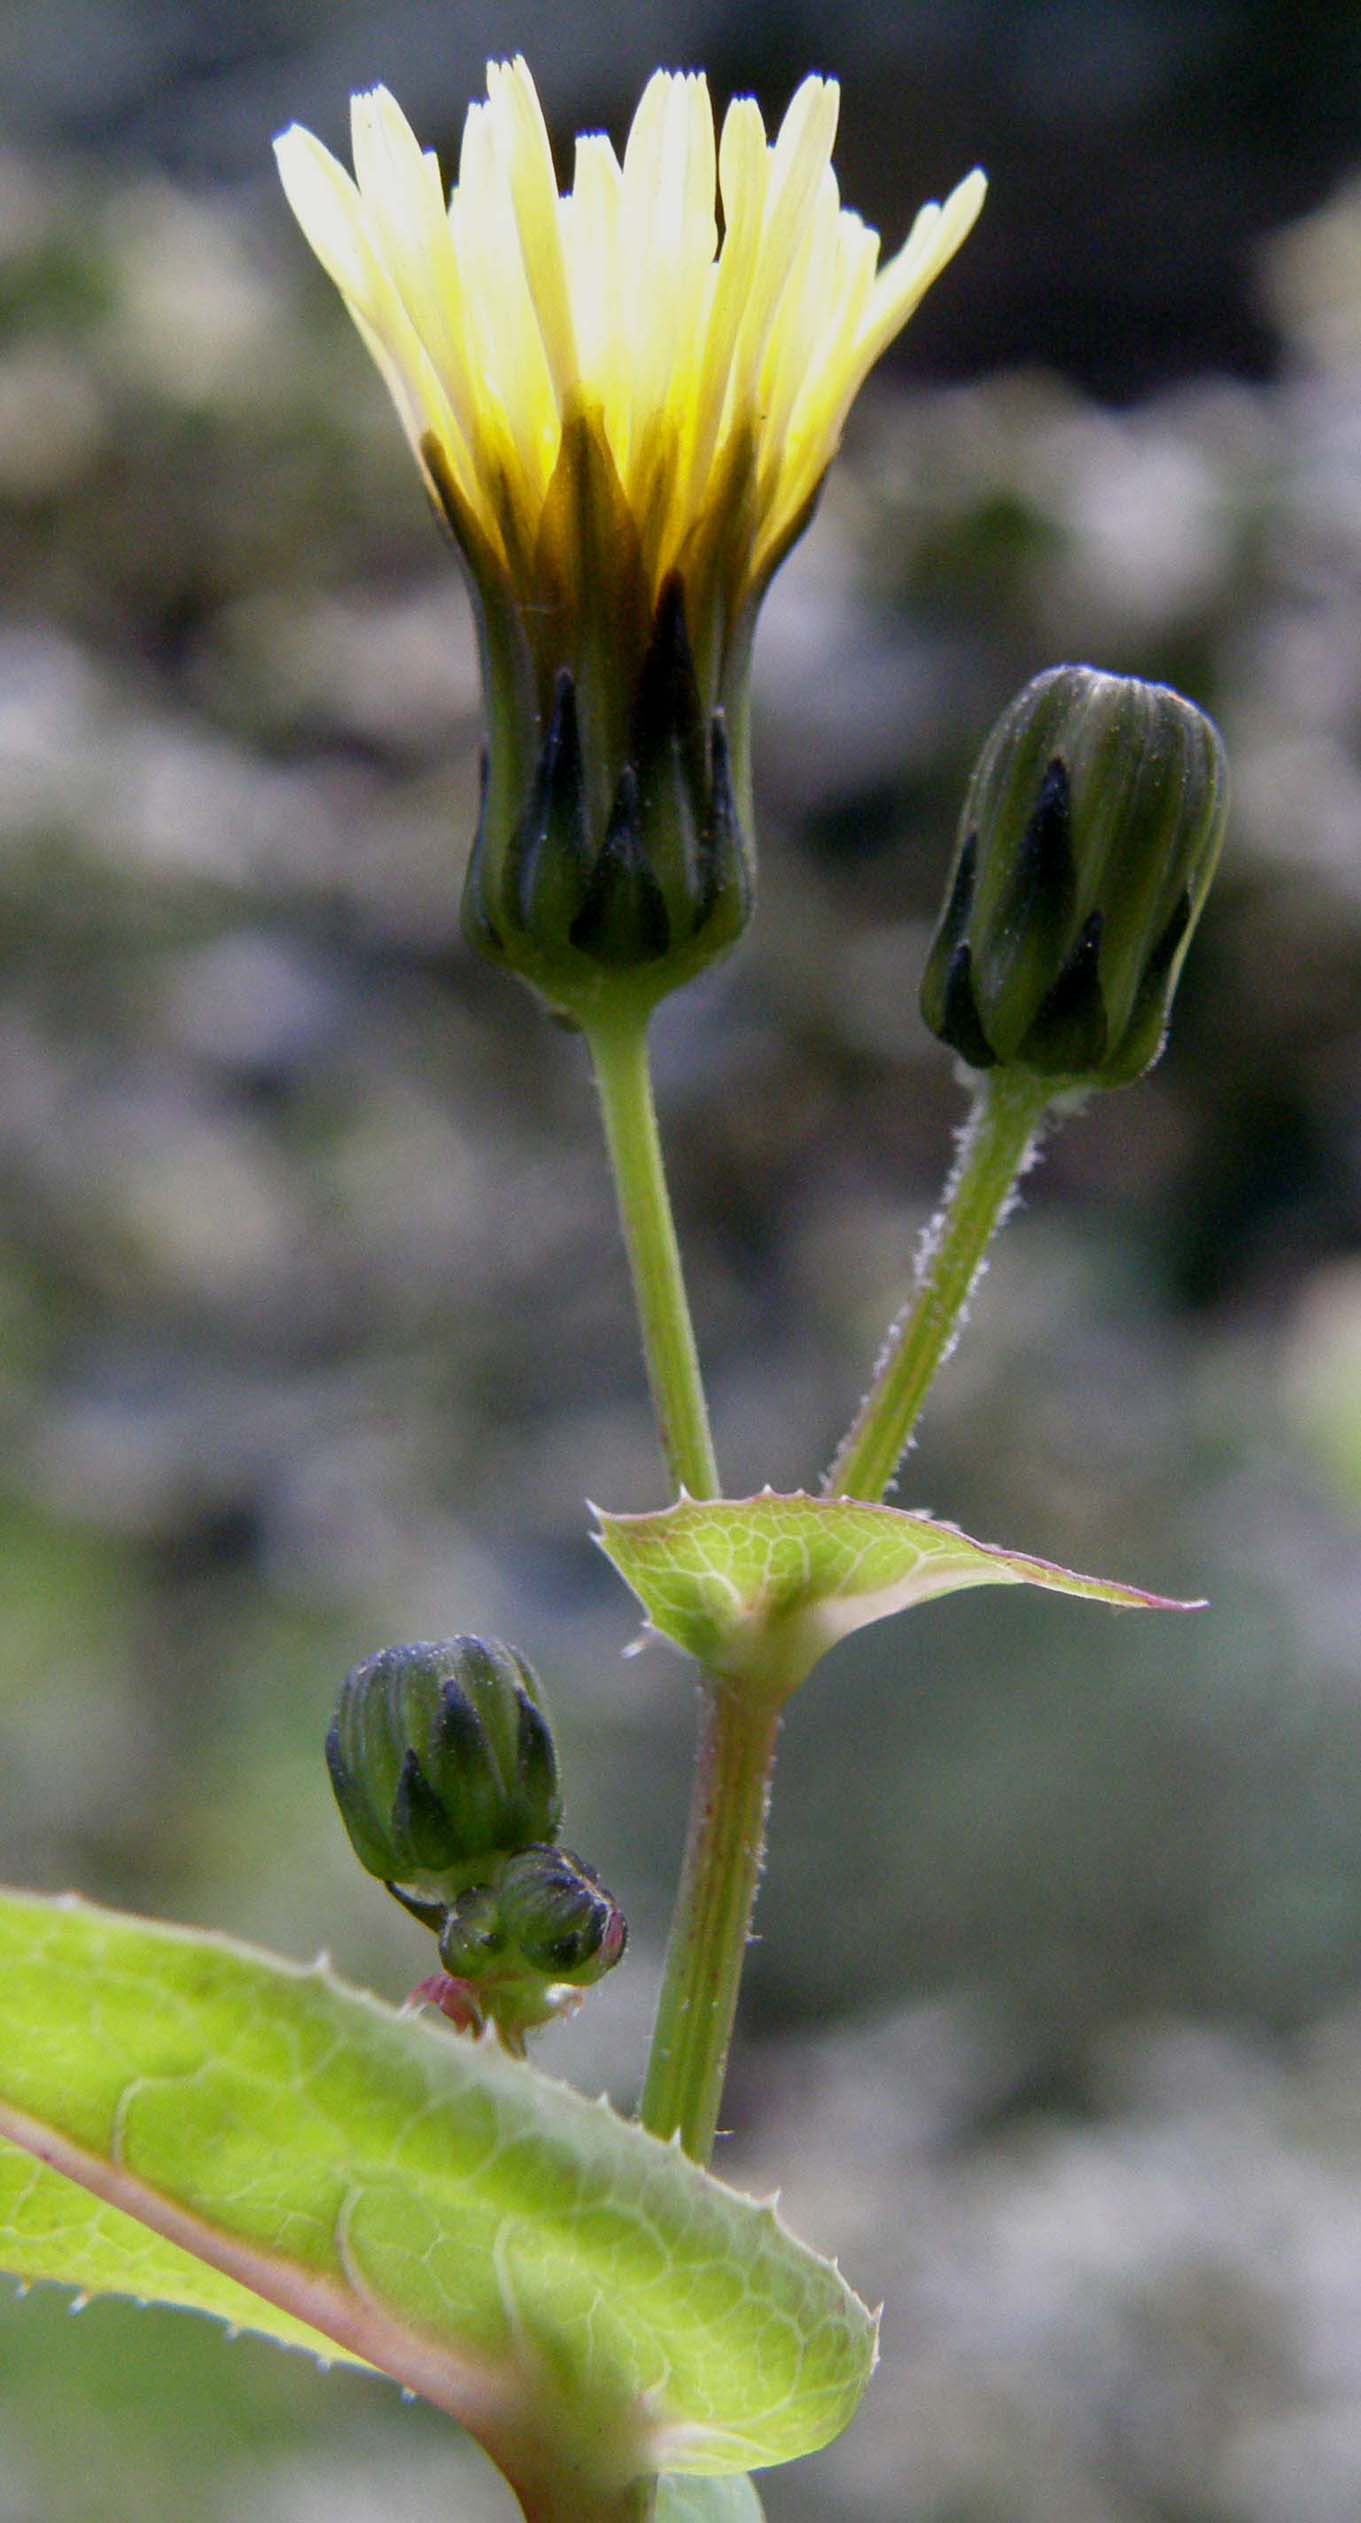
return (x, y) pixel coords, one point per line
(314, 1329)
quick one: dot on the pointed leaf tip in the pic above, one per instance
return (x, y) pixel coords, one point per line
(757, 1589)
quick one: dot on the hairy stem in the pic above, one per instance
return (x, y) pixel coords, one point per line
(997, 1145)
(712, 1922)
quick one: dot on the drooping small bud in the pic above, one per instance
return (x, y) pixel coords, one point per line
(559, 1917)
(521, 1951)
(1090, 833)
(442, 1763)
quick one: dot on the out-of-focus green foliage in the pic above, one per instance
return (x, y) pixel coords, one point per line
(314, 1333)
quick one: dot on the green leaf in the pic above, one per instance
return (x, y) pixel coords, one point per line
(758, 1589)
(708, 2501)
(585, 2300)
(50, 2228)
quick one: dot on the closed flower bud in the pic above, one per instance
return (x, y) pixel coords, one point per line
(522, 1950)
(442, 1762)
(559, 1917)
(1089, 836)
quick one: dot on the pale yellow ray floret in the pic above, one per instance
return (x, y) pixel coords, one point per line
(499, 318)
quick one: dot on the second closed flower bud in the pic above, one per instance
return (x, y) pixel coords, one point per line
(1090, 833)
(519, 1950)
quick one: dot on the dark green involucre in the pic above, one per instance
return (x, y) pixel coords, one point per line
(443, 1763)
(637, 902)
(1089, 837)
(613, 858)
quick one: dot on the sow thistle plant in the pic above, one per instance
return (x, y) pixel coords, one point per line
(623, 402)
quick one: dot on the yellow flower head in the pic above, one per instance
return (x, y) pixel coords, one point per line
(624, 418)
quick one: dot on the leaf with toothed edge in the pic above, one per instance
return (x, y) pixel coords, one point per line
(758, 1589)
(189, 2121)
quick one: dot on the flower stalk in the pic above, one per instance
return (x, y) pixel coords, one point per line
(998, 1143)
(619, 1053)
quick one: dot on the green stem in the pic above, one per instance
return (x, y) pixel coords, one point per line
(726, 1841)
(995, 1149)
(619, 1052)
(709, 1932)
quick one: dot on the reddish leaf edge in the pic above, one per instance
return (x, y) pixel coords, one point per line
(338, 2314)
